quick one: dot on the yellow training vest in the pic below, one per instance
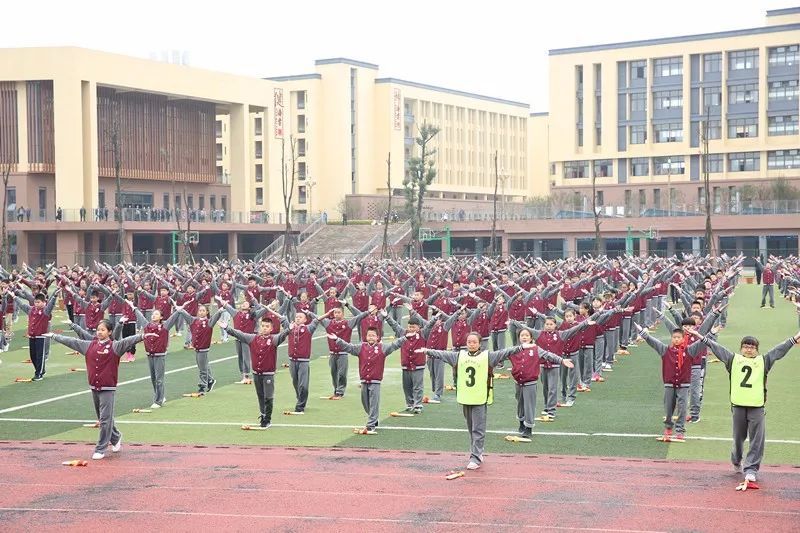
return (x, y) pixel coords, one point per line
(474, 379)
(748, 381)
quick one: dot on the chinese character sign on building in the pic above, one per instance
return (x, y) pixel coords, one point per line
(278, 106)
(398, 119)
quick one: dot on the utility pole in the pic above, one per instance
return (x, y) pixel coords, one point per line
(494, 213)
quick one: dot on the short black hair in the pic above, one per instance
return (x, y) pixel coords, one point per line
(749, 339)
(40, 297)
(372, 328)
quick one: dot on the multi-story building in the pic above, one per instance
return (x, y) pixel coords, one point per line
(646, 120)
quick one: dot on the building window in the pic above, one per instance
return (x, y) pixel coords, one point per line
(600, 198)
(638, 70)
(101, 198)
(745, 93)
(219, 152)
(259, 196)
(178, 201)
(741, 128)
(301, 194)
(783, 159)
(668, 66)
(714, 162)
(301, 123)
(782, 90)
(579, 134)
(669, 132)
(743, 59)
(257, 126)
(301, 147)
(664, 166)
(603, 168)
(212, 202)
(668, 99)
(301, 170)
(301, 99)
(638, 134)
(785, 125)
(743, 161)
(712, 97)
(552, 169)
(165, 201)
(712, 62)
(642, 199)
(713, 129)
(638, 102)
(640, 166)
(259, 172)
(218, 128)
(576, 169)
(219, 173)
(190, 201)
(783, 56)
(628, 202)
(657, 198)
(201, 202)
(259, 150)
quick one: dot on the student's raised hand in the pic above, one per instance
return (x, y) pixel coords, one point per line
(567, 363)
(591, 322)
(331, 336)
(690, 329)
(151, 334)
(48, 334)
(384, 314)
(420, 350)
(223, 325)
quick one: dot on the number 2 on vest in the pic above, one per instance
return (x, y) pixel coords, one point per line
(748, 371)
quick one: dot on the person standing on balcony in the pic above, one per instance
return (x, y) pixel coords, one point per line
(28, 214)
(83, 214)
(20, 214)
(59, 215)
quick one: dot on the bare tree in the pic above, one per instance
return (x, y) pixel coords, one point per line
(596, 215)
(116, 153)
(709, 237)
(387, 217)
(5, 255)
(421, 173)
(287, 184)
(492, 241)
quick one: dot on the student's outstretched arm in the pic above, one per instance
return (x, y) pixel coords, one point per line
(449, 357)
(388, 348)
(779, 351)
(83, 334)
(397, 328)
(659, 347)
(77, 345)
(500, 355)
(352, 349)
(722, 353)
(240, 336)
(124, 345)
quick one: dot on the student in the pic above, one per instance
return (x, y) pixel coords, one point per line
(39, 316)
(156, 348)
(263, 351)
(244, 320)
(201, 330)
(102, 367)
(474, 393)
(412, 362)
(435, 331)
(748, 395)
(371, 358)
(300, 335)
(676, 372)
(343, 329)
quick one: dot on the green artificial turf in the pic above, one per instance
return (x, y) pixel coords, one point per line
(628, 403)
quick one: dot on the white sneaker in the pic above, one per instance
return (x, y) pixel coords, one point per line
(97, 456)
(155, 406)
(117, 447)
(750, 476)
(472, 465)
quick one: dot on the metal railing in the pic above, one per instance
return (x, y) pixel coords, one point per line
(151, 215)
(311, 230)
(271, 250)
(368, 246)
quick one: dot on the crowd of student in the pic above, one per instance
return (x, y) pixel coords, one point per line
(567, 322)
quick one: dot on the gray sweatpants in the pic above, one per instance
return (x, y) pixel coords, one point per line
(675, 399)
(696, 391)
(265, 391)
(748, 422)
(585, 365)
(475, 415)
(187, 331)
(599, 353)
(204, 370)
(436, 369)
(625, 334)
(569, 380)
(498, 340)
(526, 403)
(300, 375)
(371, 400)
(243, 355)
(612, 343)
(104, 408)
(512, 329)
(413, 382)
(339, 364)
(157, 364)
(768, 289)
(549, 377)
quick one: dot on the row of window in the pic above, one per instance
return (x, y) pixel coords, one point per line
(302, 195)
(738, 128)
(737, 60)
(668, 165)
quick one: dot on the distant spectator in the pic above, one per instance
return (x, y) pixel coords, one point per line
(83, 214)
(28, 214)
(59, 214)
(20, 214)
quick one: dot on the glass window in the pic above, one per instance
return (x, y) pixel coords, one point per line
(638, 134)
(785, 125)
(638, 102)
(301, 147)
(782, 90)
(669, 132)
(259, 172)
(218, 127)
(657, 198)
(301, 170)
(783, 56)
(668, 165)
(712, 96)
(580, 136)
(712, 62)
(668, 66)
(302, 192)
(638, 70)
(259, 196)
(714, 162)
(576, 169)
(259, 150)
(165, 200)
(745, 93)
(783, 159)
(257, 126)
(743, 59)
(743, 161)
(301, 99)
(711, 128)
(603, 168)
(640, 166)
(301, 123)
(668, 99)
(740, 128)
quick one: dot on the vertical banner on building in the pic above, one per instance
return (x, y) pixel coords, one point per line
(278, 107)
(398, 118)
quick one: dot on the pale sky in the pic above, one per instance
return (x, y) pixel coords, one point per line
(497, 48)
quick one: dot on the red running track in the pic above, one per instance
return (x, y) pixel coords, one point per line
(192, 488)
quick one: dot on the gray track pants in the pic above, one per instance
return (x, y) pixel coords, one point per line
(599, 353)
(243, 355)
(569, 380)
(549, 377)
(526, 403)
(265, 391)
(748, 422)
(498, 340)
(300, 375)
(436, 369)
(585, 365)
(371, 400)
(104, 408)
(675, 400)
(696, 391)
(204, 370)
(338, 363)
(475, 415)
(768, 289)
(413, 383)
(157, 364)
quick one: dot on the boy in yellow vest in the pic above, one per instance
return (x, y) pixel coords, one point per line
(473, 368)
(748, 393)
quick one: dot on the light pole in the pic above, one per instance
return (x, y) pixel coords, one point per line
(310, 184)
(502, 178)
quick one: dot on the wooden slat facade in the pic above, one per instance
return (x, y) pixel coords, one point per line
(150, 123)
(9, 142)
(41, 135)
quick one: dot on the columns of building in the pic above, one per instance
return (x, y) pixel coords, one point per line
(239, 152)
(233, 245)
(68, 137)
(90, 144)
(22, 125)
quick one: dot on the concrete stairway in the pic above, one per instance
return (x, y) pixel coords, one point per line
(340, 242)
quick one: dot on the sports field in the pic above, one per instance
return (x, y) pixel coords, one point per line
(618, 418)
